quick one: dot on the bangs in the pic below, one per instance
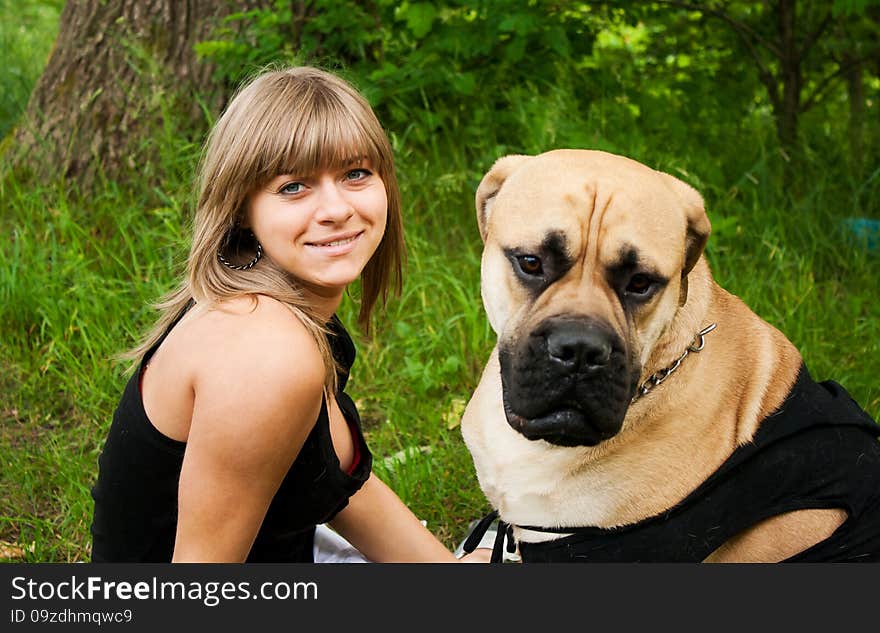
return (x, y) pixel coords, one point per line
(321, 132)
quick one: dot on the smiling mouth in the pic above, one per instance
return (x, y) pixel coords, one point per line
(336, 243)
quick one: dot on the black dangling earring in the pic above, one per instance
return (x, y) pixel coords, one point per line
(250, 264)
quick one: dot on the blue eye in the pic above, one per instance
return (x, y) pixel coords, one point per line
(358, 174)
(292, 187)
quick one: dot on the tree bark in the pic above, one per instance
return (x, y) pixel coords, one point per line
(119, 71)
(856, 95)
(790, 74)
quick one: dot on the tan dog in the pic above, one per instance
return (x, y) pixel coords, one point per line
(593, 280)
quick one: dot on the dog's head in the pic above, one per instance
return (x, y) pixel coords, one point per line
(585, 264)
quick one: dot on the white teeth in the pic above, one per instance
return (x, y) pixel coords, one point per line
(338, 242)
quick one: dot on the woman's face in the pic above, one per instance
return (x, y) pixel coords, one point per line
(323, 227)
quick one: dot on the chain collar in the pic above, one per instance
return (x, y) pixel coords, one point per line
(657, 377)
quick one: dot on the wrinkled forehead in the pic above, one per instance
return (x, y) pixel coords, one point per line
(604, 211)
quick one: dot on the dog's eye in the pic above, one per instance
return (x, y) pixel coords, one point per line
(639, 284)
(530, 265)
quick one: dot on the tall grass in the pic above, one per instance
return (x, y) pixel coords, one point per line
(27, 30)
(79, 271)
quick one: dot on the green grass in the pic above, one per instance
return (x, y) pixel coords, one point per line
(27, 30)
(78, 272)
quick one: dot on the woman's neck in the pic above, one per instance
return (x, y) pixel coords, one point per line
(325, 302)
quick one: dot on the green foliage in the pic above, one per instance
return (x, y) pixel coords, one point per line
(852, 7)
(509, 75)
(453, 70)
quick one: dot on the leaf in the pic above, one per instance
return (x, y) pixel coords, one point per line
(515, 50)
(419, 18)
(519, 23)
(451, 364)
(557, 40)
(464, 83)
(452, 417)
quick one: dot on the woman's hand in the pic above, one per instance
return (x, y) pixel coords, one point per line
(479, 555)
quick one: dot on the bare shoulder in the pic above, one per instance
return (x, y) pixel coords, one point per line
(255, 355)
(257, 394)
(256, 328)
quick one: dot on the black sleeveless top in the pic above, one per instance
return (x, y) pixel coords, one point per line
(819, 450)
(135, 516)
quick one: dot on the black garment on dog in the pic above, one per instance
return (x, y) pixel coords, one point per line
(819, 450)
(135, 517)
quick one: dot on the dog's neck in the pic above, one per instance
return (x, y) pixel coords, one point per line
(690, 318)
(659, 377)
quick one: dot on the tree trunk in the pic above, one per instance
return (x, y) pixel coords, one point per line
(856, 96)
(119, 71)
(790, 74)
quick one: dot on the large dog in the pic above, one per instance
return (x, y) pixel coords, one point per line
(632, 410)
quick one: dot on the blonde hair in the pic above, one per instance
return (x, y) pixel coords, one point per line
(295, 120)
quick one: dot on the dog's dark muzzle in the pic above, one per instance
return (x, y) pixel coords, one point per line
(569, 382)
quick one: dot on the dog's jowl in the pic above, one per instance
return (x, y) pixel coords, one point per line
(632, 409)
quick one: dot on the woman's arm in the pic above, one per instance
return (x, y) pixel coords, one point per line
(384, 530)
(255, 404)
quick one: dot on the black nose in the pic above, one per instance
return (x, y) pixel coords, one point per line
(578, 345)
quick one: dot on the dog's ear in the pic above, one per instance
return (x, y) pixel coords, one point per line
(698, 226)
(491, 184)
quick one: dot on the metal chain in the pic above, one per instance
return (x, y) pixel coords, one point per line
(658, 377)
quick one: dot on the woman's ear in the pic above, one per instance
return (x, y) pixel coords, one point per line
(491, 184)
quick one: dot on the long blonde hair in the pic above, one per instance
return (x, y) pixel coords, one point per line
(295, 120)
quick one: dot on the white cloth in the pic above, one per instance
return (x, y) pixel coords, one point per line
(331, 548)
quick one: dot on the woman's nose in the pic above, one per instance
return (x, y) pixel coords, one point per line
(333, 204)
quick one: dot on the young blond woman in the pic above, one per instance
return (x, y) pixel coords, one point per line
(234, 438)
